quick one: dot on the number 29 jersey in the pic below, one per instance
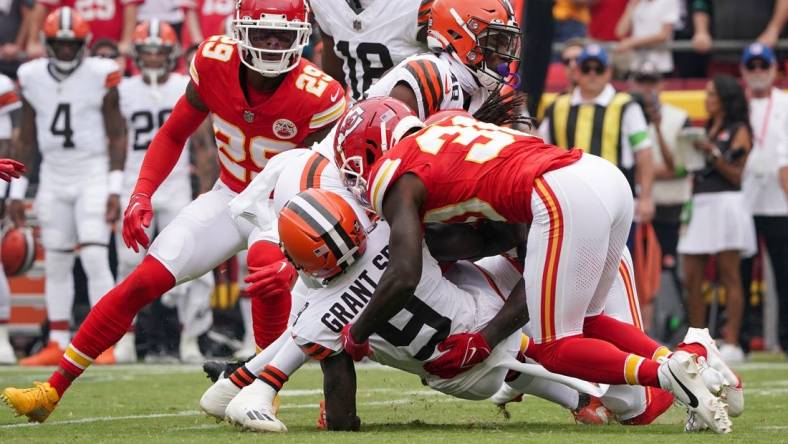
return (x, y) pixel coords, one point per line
(471, 170)
(372, 40)
(247, 136)
(69, 121)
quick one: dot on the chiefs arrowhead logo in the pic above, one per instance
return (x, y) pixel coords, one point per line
(285, 129)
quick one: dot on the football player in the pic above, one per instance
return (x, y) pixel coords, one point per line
(9, 169)
(70, 112)
(362, 39)
(475, 43)
(263, 99)
(579, 212)
(146, 101)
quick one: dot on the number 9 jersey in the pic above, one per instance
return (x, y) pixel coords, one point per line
(69, 120)
(247, 135)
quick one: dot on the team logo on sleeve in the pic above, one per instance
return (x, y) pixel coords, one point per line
(285, 129)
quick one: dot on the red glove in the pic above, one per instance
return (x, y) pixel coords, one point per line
(10, 168)
(321, 416)
(463, 351)
(355, 350)
(271, 280)
(136, 218)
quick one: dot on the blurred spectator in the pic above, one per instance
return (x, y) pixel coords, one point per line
(14, 24)
(571, 19)
(169, 11)
(620, 135)
(761, 182)
(205, 18)
(773, 30)
(720, 224)
(113, 19)
(603, 15)
(695, 18)
(108, 49)
(644, 29)
(569, 54)
(671, 184)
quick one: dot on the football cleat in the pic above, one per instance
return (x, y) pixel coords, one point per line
(49, 355)
(732, 390)
(190, 350)
(505, 395)
(681, 375)
(214, 370)
(592, 412)
(694, 424)
(214, 401)
(36, 402)
(254, 409)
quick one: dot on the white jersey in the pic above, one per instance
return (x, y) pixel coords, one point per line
(9, 101)
(372, 40)
(69, 120)
(435, 80)
(146, 109)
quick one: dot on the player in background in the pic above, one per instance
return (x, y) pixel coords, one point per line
(70, 112)
(9, 169)
(461, 170)
(204, 18)
(146, 101)
(263, 99)
(363, 39)
(474, 45)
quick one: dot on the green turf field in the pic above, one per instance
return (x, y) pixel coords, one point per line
(140, 404)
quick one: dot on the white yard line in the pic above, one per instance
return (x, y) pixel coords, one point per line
(187, 413)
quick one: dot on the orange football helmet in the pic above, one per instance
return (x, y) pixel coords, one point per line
(260, 19)
(155, 36)
(18, 250)
(65, 27)
(364, 133)
(478, 33)
(320, 233)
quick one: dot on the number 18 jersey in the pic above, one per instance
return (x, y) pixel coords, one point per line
(471, 170)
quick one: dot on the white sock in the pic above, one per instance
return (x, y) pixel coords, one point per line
(549, 390)
(95, 262)
(290, 357)
(625, 401)
(5, 298)
(62, 337)
(59, 292)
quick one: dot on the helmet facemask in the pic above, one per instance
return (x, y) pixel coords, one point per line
(497, 48)
(153, 74)
(271, 62)
(65, 66)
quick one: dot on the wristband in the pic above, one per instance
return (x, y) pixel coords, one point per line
(18, 188)
(115, 182)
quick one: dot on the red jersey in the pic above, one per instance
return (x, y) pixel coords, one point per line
(471, 170)
(212, 15)
(105, 17)
(247, 136)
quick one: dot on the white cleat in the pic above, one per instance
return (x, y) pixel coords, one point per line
(125, 350)
(681, 375)
(214, 401)
(694, 424)
(253, 409)
(7, 356)
(732, 390)
(189, 351)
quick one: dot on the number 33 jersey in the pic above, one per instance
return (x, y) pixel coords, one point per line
(145, 109)
(372, 40)
(69, 121)
(247, 136)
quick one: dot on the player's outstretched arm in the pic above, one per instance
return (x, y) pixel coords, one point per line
(512, 317)
(339, 389)
(399, 281)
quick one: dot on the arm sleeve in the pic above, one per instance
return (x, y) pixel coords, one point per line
(167, 145)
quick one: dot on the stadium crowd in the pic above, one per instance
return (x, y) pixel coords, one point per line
(710, 184)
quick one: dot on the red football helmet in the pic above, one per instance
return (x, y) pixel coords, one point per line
(368, 129)
(320, 233)
(155, 36)
(65, 27)
(477, 33)
(18, 250)
(259, 20)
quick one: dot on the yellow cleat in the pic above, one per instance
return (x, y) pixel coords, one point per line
(36, 403)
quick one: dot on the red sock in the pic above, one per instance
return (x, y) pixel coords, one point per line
(111, 317)
(594, 360)
(624, 336)
(694, 347)
(60, 382)
(270, 313)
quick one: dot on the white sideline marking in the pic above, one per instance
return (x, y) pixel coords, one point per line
(186, 413)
